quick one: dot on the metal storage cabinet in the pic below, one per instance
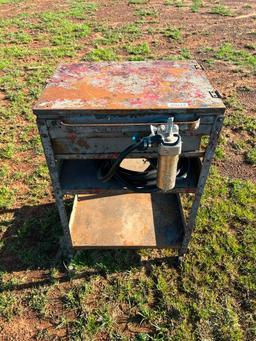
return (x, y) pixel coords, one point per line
(92, 111)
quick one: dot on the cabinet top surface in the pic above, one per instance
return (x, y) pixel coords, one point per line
(126, 86)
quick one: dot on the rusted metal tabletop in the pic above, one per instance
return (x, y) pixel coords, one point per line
(128, 86)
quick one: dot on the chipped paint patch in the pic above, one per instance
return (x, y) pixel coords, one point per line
(147, 85)
(65, 103)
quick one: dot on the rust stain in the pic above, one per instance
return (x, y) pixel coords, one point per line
(71, 137)
(82, 142)
(112, 221)
(128, 86)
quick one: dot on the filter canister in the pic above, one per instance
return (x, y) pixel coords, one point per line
(168, 157)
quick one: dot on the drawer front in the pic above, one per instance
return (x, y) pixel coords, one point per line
(82, 138)
(87, 145)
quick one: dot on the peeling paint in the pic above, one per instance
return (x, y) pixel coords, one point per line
(128, 86)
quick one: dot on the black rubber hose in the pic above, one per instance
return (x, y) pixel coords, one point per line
(114, 164)
(137, 181)
(140, 145)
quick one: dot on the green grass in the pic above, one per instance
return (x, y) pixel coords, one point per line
(4, 172)
(4, 63)
(58, 52)
(148, 12)
(15, 52)
(238, 57)
(113, 36)
(221, 10)
(18, 38)
(69, 31)
(6, 197)
(101, 54)
(2, 2)
(196, 5)
(37, 300)
(81, 9)
(131, 29)
(137, 2)
(63, 31)
(251, 156)
(142, 49)
(176, 3)
(7, 151)
(220, 153)
(173, 33)
(9, 305)
(162, 299)
(237, 119)
(183, 55)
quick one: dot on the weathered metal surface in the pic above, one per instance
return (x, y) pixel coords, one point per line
(111, 139)
(209, 154)
(111, 87)
(129, 220)
(92, 110)
(57, 129)
(53, 170)
(80, 176)
(78, 143)
(80, 156)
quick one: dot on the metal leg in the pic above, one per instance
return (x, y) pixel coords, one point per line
(52, 165)
(209, 153)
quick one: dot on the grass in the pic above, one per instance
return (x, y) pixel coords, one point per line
(37, 300)
(7, 151)
(161, 299)
(221, 10)
(251, 156)
(101, 54)
(196, 5)
(183, 55)
(220, 153)
(142, 49)
(173, 33)
(6, 197)
(148, 12)
(18, 38)
(9, 305)
(118, 294)
(63, 31)
(80, 9)
(237, 119)
(176, 3)
(243, 58)
(3, 2)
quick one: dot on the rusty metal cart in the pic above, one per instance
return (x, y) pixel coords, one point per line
(91, 113)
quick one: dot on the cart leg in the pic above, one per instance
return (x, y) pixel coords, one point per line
(52, 166)
(209, 153)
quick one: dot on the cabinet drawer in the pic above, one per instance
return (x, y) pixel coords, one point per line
(84, 138)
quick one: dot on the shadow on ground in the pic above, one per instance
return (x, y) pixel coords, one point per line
(31, 242)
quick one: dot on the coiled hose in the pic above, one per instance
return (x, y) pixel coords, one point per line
(135, 181)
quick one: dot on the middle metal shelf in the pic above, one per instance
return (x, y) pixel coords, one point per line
(80, 177)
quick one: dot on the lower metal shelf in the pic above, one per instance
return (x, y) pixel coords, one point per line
(127, 221)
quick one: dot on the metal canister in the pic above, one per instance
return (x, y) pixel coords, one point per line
(168, 156)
